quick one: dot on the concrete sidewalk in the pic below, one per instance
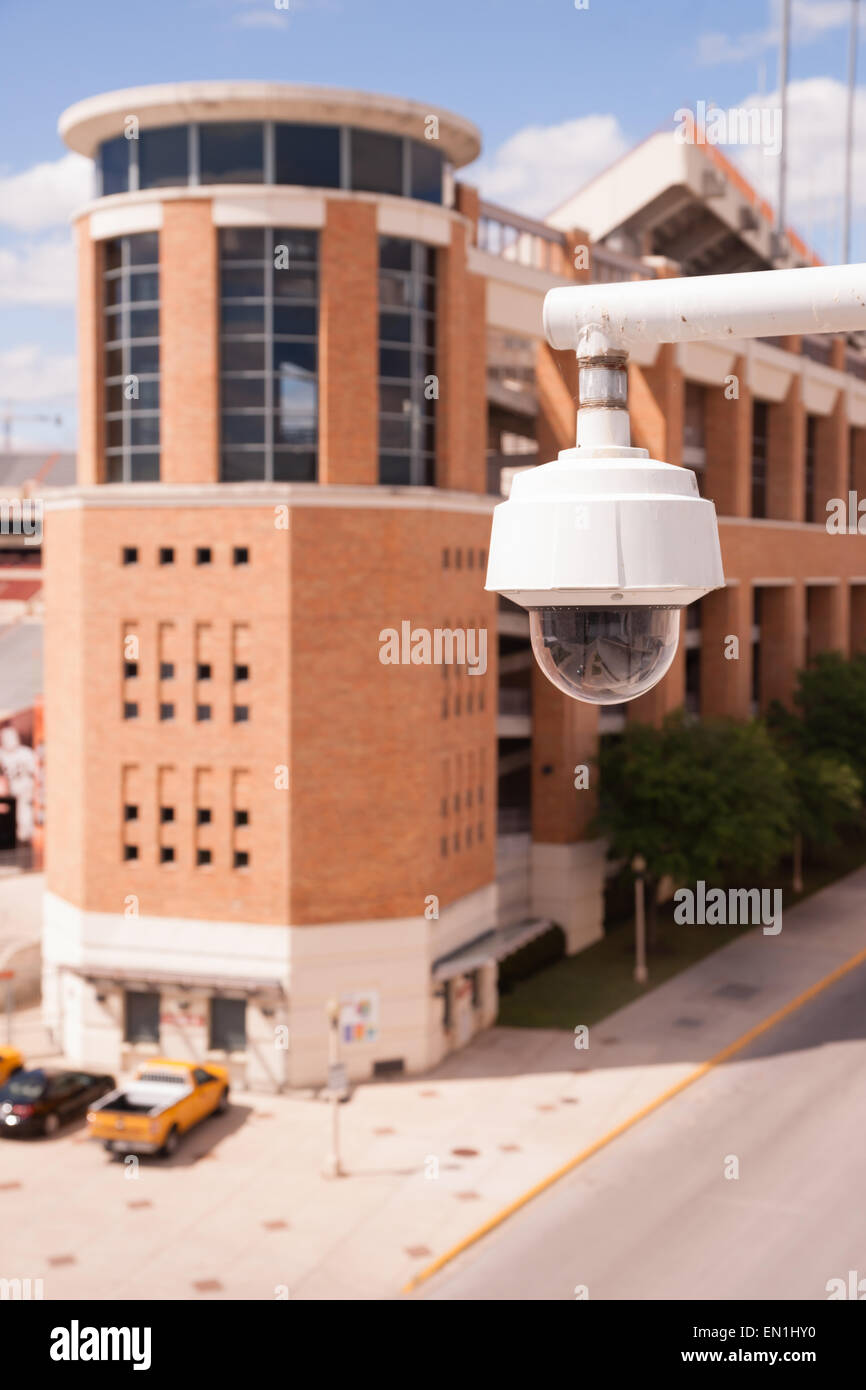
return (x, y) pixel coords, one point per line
(429, 1159)
(527, 1101)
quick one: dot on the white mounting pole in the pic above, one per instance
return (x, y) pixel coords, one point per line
(601, 322)
(595, 320)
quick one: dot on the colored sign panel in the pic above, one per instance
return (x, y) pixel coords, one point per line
(359, 1016)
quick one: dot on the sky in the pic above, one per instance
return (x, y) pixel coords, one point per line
(558, 89)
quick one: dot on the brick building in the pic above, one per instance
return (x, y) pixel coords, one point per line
(309, 359)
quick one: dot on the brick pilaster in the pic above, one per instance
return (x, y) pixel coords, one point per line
(786, 456)
(783, 641)
(829, 619)
(189, 344)
(348, 345)
(91, 357)
(728, 441)
(726, 680)
(461, 411)
(564, 735)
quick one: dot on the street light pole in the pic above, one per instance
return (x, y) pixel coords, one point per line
(641, 975)
(849, 132)
(783, 153)
(333, 1166)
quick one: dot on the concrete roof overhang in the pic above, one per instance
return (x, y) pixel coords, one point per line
(86, 124)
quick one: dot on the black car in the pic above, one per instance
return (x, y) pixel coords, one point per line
(40, 1100)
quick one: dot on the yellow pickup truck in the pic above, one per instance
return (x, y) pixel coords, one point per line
(10, 1060)
(164, 1099)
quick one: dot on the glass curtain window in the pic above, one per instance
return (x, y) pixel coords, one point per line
(163, 157)
(407, 362)
(131, 319)
(232, 152)
(811, 443)
(114, 166)
(426, 171)
(268, 354)
(311, 156)
(760, 423)
(376, 162)
(308, 155)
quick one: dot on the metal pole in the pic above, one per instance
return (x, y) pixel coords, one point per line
(9, 977)
(593, 320)
(333, 1167)
(783, 92)
(849, 132)
(640, 971)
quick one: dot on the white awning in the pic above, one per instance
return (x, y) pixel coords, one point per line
(132, 975)
(493, 945)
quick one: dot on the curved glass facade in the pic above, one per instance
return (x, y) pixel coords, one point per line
(269, 296)
(408, 388)
(131, 314)
(272, 152)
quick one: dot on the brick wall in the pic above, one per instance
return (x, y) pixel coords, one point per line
(726, 665)
(376, 748)
(831, 457)
(728, 445)
(461, 414)
(564, 735)
(189, 343)
(656, 403)
(348, 345)
(786, 456)
(91, 364)
(92, 603)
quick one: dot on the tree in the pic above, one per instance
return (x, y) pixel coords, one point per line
(697, 799)
(831, 696)
(826, 789)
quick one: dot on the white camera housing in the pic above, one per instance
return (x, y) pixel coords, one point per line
(604, 526)
(604, 546)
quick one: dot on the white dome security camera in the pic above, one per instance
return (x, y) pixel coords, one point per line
(605, 545)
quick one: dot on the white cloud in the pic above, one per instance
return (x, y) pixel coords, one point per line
(45, 195)
(266, 14)
(718, 48)
(261, 19)
(43, 273)
(29, 373)
(810, 20)
(540, 166)
(815, 141)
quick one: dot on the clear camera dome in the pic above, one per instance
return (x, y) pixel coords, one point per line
(604, 655)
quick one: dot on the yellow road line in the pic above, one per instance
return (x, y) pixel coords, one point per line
(525, 1198)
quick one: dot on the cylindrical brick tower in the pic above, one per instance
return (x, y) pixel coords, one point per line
(251, 809)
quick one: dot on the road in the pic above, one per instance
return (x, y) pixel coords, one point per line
(654, 1216)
